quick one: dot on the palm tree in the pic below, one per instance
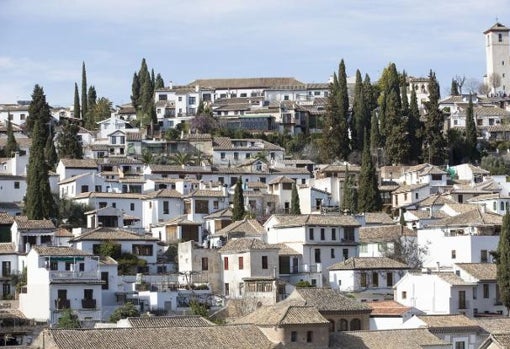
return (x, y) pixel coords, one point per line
(182, 159)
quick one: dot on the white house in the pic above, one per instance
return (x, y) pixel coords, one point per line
(61, 278)
(379, 241)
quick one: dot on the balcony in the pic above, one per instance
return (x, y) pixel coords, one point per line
(88, 303)
(74, 275)
(62, 304)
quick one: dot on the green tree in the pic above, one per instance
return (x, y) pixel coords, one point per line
(435, 145)
(124, 311)
(76, 109)
(135, 91)
(238, 210)
(182, 159)
(160, 83)
(84, 99)
(90, 120)
(349, 194)
(12, 146)
(68, 320)
(198, 308)
(397, 144)
(502, 257)
(495, 165)
(294, 201)
(39, 202)
(70, 214)
(50, 153)
(414, 130)
(454, 89)
(375, 136)
(369, 198)
(361, 115)
(102, 110)
(471, 135)
(69, 144)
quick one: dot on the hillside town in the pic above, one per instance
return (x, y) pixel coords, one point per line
(233, 213)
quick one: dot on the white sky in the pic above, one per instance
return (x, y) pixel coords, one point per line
(45, 41)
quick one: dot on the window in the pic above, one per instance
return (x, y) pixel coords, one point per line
(345, 253)
(462, 300)
(460, 345)
(142, 250)
(68, 266)
(349, 234)
(375, 279)
(484, 256)
(179, 98)
(225, 263)
(389, 279)
(363, 280)
(293, 336)
(309, 336)
(404, 295)
(500, 39)
(333, 234)
(416, 196)
(192, 100)
(81, 266)
(323, 234)
(53, 265)
(344, 325)
(88, 294)
(163, 97)
(475, 292)
(332, 253)
(240, 288)
(104, 278)
(355, 324)
(241, 263)
(166, 208)
(222, 156)
(454, 254)
(236, 156)
(310, 234)
(317, 254)
(437, 177)
(227, 289)
(264, 262)
(205, 263)
(6, 268)
(16, 185)
(486, 291)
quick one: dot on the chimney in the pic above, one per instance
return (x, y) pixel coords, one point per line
(170, 85)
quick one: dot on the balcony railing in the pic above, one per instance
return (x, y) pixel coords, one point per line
(73, 275)
(62, 304)
(88, 303)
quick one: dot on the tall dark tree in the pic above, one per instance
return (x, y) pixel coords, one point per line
(84, 99)
(435, 144)
(76, 109)
(349, 194)
(90, 121)
(238, 210)
(135, 91)
(403, 91)
(69, 145)
(414, 130)
(334, 143)
(38, 110)
(502, 257)
(454, 89)
(471, 134)
(361, 115)
(369, 198)
(375, 136)
(50, 153)
(370, 93)
(294, 201)
(397, 145)
(390, 104)
(12, 146)
(160, 83)
(39, 202)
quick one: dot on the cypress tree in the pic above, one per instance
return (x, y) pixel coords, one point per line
(369, 95)
(238, 211)
(349, 194)
(135, 91)
(397, 145)
(435, 145)
(39, 200)
(12, 146)
(375, 136)
(471, 135)
(76, 109)
(294, 201)
(84, 99)
(361, 115)
(390, 104)
(454, 89)
(153, 79)
(502, 257)
(90, 122)
(160, 83)
(38, 110)
(50, 153)
(369, 198)
(404, 99)
(69, 145)
(414, 130)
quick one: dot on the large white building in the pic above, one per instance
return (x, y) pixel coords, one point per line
(497, 52)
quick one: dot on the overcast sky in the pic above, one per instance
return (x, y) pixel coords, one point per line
(45, 41)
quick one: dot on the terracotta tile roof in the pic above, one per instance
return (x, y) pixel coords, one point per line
(501, 339)
(286, 221)
(163, 193)
(225, 213)
(24, 223)
(409, 187)
(480, 271)
(245, 244)
(7, 248)
(236, 83)
(228, 336)
(282, 314)
(243, 228)
(169, 321)
(63, 233)
(107, 195)
(363, 263)
(494, 324)
(286, 250)
(437, 323)
(178, 169)
(474, 218)
(461, 208)
(105, 233)
(281, 179)
(226, 143)
(6, 219)
(387, 339)
(327, 300)
(384, 233)
(378, 218)
(205, 193)
(180, 220)
(73, 178)
(79, 163)
(453, 279)
(438, 199)
(59, 251)
(388, 308)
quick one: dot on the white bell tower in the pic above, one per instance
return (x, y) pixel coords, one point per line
(497, 52)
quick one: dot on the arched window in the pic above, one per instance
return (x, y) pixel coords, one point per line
(331, 325)
(355, 325)
(344, 325)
